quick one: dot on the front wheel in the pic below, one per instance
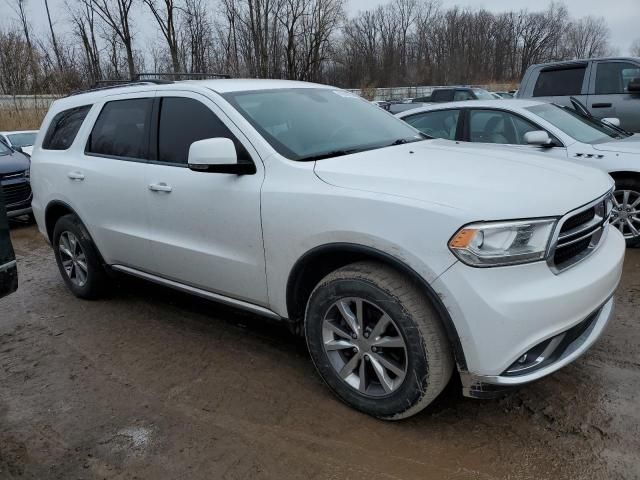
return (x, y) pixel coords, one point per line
(376, 341)
(626, 210)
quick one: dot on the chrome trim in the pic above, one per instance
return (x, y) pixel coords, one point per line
(17, 213)
(7, 266)
(601, 217)
(233, 302)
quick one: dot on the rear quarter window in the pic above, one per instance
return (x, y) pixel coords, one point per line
(64, 127)
(560, 82)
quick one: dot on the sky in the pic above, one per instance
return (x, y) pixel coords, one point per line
(622, 16)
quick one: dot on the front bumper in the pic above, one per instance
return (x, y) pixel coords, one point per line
(503, 313)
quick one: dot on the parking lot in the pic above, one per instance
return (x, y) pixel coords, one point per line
(153, 384)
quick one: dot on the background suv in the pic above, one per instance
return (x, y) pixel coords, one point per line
(310, 205)
(8, 269)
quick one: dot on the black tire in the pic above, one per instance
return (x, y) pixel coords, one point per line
(632, 184)
(96, 279)
(429, 361)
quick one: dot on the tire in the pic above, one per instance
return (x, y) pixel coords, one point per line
(90, 284)
(632, 186)
(426, 356)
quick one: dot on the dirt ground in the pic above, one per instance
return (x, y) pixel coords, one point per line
(153, 384)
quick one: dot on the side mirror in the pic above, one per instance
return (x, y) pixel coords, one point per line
(539, 138)
(612, 121)
(217, 155)
(634, 85)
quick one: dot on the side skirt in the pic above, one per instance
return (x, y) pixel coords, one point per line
(265, 312)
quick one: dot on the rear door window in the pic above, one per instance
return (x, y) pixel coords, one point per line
(184, 121)
(614, 77)
(122, 129)
(560, 81)
(462, 95)
(64, 127)
(438, 124)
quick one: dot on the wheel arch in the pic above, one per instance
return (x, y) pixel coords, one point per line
(57, 209)
(322, 260)
(622, 174)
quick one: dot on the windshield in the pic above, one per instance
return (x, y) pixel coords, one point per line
(583, 129)
(308, 124)
(483, 94)
(4, 150)
(22, 139)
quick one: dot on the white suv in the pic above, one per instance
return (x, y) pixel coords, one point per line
(398, 257)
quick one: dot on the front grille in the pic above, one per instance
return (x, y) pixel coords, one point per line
(16, 193)
(580, 233)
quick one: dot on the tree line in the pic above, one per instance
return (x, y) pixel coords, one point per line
(402, 42)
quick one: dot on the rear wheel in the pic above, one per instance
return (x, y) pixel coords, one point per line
(626, 209)
(77, 258)
(376, 341)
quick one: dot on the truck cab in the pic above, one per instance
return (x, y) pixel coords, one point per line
(609, 87)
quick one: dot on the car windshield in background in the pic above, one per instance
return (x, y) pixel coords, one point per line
(308, 124)
(581, 128)
(483, 94)
(22, 139)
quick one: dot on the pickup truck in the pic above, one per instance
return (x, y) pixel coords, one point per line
(609, 87)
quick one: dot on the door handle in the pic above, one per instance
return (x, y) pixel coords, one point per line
(601, 105)
(160, 187)
(75, 176)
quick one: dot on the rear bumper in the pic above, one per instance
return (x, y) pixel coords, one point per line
(490, 386)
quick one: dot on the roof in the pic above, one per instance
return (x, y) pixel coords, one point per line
(583, 60)
(507, 104)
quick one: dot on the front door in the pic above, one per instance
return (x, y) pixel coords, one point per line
(204, 228)
(611, 98)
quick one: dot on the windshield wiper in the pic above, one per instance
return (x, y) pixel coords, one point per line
(331, 154)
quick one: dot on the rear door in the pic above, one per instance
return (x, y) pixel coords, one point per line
(610, 97)
(205, 228)
(559, 82)
(8, 269)
(106, 180)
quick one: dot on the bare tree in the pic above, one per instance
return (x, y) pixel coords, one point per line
(15, 73)
(84, 29)
(54, 41)
(165, 14)
(116, 16)
(587, 37)
(635, 48)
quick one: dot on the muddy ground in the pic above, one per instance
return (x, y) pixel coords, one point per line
(153, 384)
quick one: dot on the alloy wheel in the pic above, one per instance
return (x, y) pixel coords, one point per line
(364, 346)
(74, 260)
(626, 213)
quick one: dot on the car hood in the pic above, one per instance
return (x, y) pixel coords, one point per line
(14, 162)
(480, 183)
(626, 145)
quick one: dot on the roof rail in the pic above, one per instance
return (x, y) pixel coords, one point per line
(154, 79)
(180, 76)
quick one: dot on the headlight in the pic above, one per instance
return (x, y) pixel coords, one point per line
(490, 244)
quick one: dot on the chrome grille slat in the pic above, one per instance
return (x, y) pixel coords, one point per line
(587, 226)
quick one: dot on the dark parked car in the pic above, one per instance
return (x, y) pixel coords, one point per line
(609, 87)
(8, 270)
(15, 181)
(457, 94)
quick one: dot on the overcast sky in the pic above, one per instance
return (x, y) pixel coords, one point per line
(621, 15)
